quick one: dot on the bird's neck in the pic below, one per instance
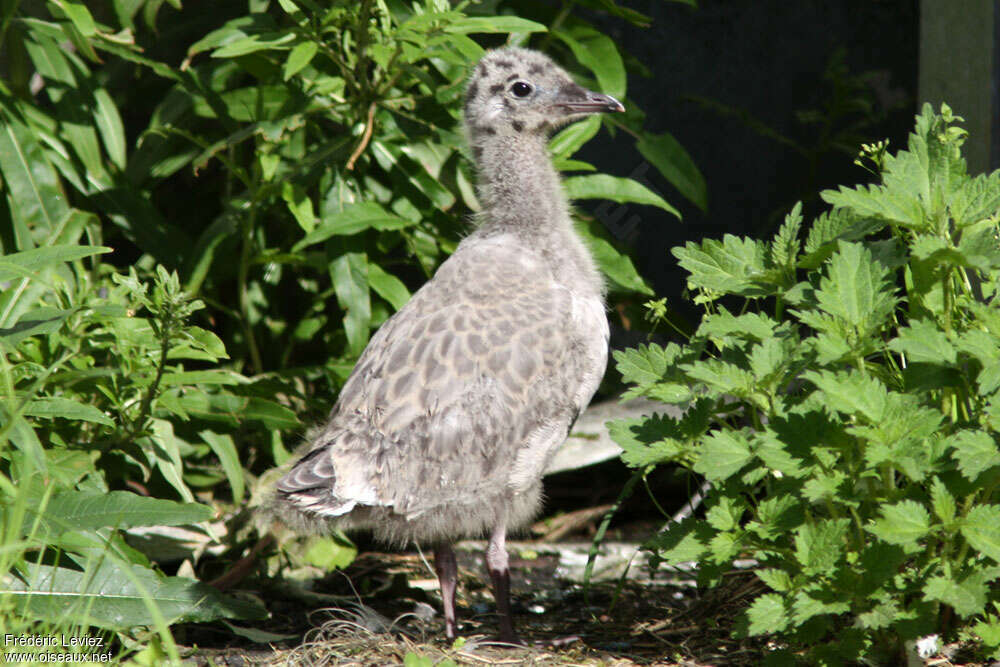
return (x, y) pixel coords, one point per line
(519, 189)
(520, 194)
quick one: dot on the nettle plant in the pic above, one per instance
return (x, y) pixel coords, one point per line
(846, 414)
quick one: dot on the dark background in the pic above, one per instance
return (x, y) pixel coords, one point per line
(726, 79)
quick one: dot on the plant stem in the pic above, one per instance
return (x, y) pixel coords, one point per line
(244, 296)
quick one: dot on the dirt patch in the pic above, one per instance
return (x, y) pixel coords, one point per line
(385, 606)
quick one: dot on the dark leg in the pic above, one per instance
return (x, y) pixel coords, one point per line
(496, 563)
(447, 572)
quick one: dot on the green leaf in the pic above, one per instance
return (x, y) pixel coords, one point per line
(598, 53)
(851, 392)
(617, 266)
(330, 553)
(300, 206)
(80, 510)
(924, 341)
(109, 124)
(349, 273)
(352, 219)
(785, 246)
(253, 43)
(806, 606)
(724, 329)
(967, 596)
(682, 542)
(28, 263)
(644, 364)
(901, 523)
(675, 164)
(942, 501)
(299, 57)
(492, 24)
(767, 614)
(975, 452)
(722, 377)
(981, 527)
(776, 579)
(569, 140)
(388, 286)
(30, 180)
(614, 188)
(65, 408)
(722, 454)
(224, 448)
(856, 289)
(114, 595)
(642, 442)
(819, 544)
(730, 266)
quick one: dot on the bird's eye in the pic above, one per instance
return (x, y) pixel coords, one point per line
(521, 89)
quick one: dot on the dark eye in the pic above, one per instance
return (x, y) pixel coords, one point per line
(521, 89)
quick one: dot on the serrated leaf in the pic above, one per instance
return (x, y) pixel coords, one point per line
(785, 246)
(722, 327)
(778, 580)
(647, 440)
(856, 289)
(682, 542)
(974, 451)
(721, 376)
(881, 615)
(806, 606)
(730, 266)
(967, 596)
(767, 615)
(924, 341)
(902, 523)
(942, 501)
(644, 364)
(722, 454)
(981, 527)
(819, 544)
(851, 392)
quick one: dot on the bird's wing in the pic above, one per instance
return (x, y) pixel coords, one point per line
(466, 389)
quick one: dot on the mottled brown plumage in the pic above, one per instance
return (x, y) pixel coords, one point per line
(446, 423)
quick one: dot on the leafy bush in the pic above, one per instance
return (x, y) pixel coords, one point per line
(277, 177)
(846, 414)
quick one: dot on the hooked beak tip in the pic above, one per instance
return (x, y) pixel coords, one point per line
(594, 103)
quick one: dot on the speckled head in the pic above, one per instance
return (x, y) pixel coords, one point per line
(514, 91)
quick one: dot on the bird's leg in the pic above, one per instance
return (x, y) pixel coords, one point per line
(497, 564)
(447, 572)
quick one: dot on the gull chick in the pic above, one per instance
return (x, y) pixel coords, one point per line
(446, 424)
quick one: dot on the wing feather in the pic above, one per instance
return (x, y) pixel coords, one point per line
(487, 355)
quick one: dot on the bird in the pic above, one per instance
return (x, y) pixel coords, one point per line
(445, 425)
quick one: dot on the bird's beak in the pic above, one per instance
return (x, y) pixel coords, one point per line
(582, 100)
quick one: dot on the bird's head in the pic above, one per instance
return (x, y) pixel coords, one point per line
(514, 91)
